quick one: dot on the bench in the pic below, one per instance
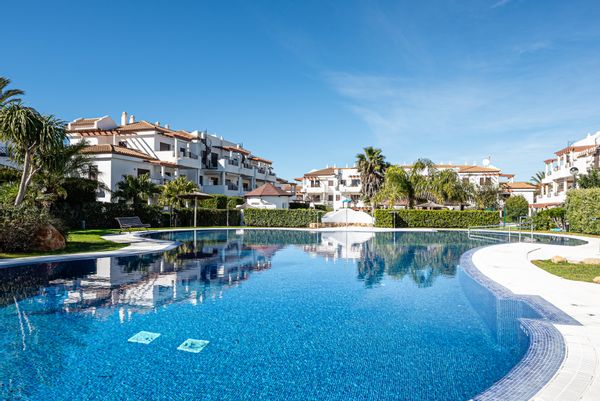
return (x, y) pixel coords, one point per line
(131, 222)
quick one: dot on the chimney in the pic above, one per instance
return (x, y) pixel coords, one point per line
(167, 126)
(157, 123)
(124, 118)
(131, 119)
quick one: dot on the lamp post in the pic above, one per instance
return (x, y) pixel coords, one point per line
(574, 171)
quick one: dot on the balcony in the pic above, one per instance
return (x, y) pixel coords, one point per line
(229, 190)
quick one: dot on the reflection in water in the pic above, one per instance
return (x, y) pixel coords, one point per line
(199, 269)
(47, 311)
(207, 263)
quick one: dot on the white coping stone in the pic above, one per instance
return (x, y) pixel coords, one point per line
(509, 265)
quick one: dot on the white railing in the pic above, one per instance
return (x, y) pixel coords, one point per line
(522, 231)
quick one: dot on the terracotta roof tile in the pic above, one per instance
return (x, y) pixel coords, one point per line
(121, 150)
(574, 149)
(519, 185)
(268, 190)
(260, 159)
(322, 172)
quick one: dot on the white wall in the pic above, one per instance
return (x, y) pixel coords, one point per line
(280, 202)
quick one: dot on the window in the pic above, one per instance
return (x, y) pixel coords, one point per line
(343, 182)
(164, 146)
(465, 180)
(481, 180)
(355, 183)
(182, 151)
(214, 180)
(214, 159)
(337, 198)
(315, 183)
(141, 172)
(123, 144)
(488, 181)
(330, 183)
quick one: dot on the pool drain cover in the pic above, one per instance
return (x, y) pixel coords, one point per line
(144, 337)
(192, 345)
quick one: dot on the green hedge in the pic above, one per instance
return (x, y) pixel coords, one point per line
(281, 217)
(583, 206)
(205, 218)
(102, 215)
(435, 218)
(221, 202)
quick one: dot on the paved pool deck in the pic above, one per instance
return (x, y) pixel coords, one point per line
(578, 377)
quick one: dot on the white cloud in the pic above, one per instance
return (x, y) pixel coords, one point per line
(519, 121)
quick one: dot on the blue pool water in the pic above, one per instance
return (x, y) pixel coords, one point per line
(288, 315)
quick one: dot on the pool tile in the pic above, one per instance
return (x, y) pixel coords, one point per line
(192, 345)
(144, 337)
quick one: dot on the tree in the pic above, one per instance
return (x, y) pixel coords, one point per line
(136, 190)
(516, 206)
(409, 184)
(371, 166)
(589, 180)
(171, 191)
(447, 187)
(486, 196)
(59, 166)
(537, 178)
(30, 136)
(8, 96)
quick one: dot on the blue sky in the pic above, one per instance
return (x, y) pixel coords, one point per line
(309, 83)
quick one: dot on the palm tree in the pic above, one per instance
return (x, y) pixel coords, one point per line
(137, 190)
(30, 136)
(8, 96)
(171, 191)
(170, 194)
(58, 166)
(371, 167)
(486, 196)
(408, 183)
(447, 187)
(537, 178)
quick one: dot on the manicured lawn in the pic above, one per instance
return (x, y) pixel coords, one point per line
(79, 241)
(571, 271)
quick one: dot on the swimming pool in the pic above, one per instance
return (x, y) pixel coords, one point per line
(279, 315)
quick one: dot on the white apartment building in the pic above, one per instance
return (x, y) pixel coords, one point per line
(582, 155)
(341, 187)
(333, 186)
(135, 148)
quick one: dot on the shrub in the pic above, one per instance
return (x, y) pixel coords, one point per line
(516, 206)
(221, 202)
(549, 218)
(80, 190)
(8, 174)
(435, 218)
(204, 217)
(583, 210)
(19, 224)
(281, 217)
(103, 215)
